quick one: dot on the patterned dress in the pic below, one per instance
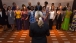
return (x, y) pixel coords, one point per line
(25, 20)
(73, 25)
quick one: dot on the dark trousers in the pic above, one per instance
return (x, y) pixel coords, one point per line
(58, 25)
(18, 24)
(50, 23)
(25, 24)
(8, 25)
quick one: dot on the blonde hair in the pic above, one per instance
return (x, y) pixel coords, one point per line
(39, 18)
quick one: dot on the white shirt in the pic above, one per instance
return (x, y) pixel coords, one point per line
(52, 14)
(1, 14)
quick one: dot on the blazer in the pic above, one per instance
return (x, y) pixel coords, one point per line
(58, 19)
(39, 34)
(29, 7)
(40, 8)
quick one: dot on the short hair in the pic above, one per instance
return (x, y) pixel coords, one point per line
(46, 2)
(13, 3)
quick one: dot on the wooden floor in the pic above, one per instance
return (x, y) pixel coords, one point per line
(56, 36)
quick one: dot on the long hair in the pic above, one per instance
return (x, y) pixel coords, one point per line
(39, 18)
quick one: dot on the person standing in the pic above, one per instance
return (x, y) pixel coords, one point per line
(18, 18)
(32, 15)
(29, 7)
(58, 19)
(23, 5)
(62, 12)
(39, 30)
(59, 5)
(38, 7)
(25, 18)
(46, 6)
(3, 19)
(52, 5)
(52, 14)
(14, 6)
(66, 7)
(73, 24)
(66, 22)
(5, 10)
(45, 15)
(11, 17)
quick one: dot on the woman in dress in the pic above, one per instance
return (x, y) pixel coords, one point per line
(51, 16)
(18, 18)
(32, 15)
(66, 22)
(11, 17)
(25, 18)
(39, 30)
(73, 25)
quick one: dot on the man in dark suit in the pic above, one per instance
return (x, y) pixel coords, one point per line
(14, 6)
(58, 20)
(29, 7)
(38, 7)
(39, 31)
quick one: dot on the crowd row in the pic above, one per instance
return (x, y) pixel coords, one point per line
(27, 15)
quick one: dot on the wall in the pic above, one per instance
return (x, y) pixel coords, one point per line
(20, 2)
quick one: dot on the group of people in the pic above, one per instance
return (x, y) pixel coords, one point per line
(22, 18)
(39, 18)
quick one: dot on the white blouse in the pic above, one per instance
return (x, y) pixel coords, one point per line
(52, 14)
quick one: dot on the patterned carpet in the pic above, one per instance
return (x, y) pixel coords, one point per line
(56, 36)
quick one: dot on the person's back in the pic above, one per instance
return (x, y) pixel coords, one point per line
(39, 34)
(39, 30)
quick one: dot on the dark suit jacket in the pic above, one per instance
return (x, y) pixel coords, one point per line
(14, 8)
(58, 19)
(3, 19)
(39, 34)
(40, 8)
(29, 7)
